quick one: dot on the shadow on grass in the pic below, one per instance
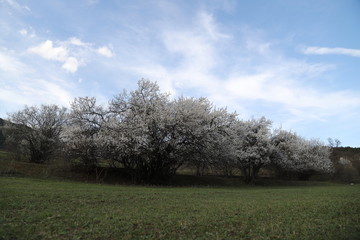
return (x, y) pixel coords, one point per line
(65, 171)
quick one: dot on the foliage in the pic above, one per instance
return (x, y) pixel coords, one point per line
(253, 148)
(141, 133)
(206, 131)
(151, 135)
(295, 154)
(145, 132)
(80, 133)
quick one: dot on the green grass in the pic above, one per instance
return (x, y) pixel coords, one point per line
(50, 209)
(3, 154)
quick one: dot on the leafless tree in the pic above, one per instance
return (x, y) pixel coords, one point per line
(37, 130)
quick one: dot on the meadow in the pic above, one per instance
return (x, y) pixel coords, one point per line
(32, 208)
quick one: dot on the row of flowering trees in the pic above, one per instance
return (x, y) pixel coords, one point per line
(151, 135)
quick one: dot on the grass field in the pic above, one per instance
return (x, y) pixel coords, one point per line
(50, 209)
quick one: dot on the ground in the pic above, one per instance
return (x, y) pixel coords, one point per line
(33, 208)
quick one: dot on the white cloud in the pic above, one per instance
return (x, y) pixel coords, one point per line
(77, 42)
(105, 51)
(72, 53)
(268, 87)
(249, 87)
(23, 32)
(195, 50)
(71, 64)
(47, 51)
(340, 51)
(60, 54)
(192, 56)
(27, 32)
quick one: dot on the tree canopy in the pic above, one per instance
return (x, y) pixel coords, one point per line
(151, 135)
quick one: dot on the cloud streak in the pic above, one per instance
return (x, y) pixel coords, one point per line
(14, 4)
(324, 51)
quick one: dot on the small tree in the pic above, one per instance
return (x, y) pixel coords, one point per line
(203, 130)
(296, 155)
(139, 134)
(315, 158)
(334, 143)
(81, 133)
(253, 147)
(152, 136)
(38, 130)
(286, 152)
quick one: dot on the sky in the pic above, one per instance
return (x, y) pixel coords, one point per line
(295, 62)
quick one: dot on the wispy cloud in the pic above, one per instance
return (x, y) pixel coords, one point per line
(211, 50)
(23, 32)
(324, 50)
(15, 5)
(22, 84)
(208, 23)
(10, 65)
(72, 53)
(27, 32)
(255, 72)
(92, 2)
(271, 87)
(77, 42)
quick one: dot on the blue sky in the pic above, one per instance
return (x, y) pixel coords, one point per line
(295, 62)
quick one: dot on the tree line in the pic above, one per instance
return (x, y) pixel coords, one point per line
(151, 136)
